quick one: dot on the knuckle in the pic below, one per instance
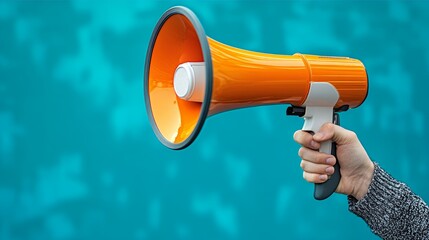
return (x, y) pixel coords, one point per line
(302, 164)
(301, 151)
(308, 177)
(352, 135)
(301, 137)
(296, 135)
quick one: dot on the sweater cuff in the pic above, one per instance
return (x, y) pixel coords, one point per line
(375, 207)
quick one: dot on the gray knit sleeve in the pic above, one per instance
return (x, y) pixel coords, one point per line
(391, 209)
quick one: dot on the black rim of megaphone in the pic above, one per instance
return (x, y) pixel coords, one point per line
(209, 77)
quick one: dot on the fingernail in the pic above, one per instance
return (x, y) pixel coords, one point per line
(329, 170)
(330, 161)
(323, 177)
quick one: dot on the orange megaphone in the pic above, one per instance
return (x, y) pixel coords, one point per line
(189, 76)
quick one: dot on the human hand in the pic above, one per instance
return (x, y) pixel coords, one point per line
(356, 167)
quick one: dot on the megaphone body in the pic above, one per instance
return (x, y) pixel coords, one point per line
(189, 76)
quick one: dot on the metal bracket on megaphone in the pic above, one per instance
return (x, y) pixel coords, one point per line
(317, 110)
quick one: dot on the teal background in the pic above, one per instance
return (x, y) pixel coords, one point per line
(78, 159)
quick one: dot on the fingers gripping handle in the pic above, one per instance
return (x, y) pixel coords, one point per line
(324, 190)
(315, 117)
(318, 109)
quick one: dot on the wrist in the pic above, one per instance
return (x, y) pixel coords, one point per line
(363, 181)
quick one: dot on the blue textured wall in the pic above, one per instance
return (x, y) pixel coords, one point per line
(78, 159)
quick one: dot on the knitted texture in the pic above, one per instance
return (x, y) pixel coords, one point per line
(391, 209)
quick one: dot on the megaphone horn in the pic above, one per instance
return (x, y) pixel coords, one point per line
(189, 76)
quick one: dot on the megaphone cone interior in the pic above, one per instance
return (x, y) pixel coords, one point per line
(178, 38)
(189, 76)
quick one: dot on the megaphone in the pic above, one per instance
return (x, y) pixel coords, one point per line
(189, 77)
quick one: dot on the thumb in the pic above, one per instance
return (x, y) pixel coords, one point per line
(335, 133)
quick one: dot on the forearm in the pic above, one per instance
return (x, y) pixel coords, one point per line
(391, 209)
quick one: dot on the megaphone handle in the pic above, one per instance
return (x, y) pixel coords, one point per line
(324, 190)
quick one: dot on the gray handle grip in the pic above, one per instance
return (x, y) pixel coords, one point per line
(324, 190)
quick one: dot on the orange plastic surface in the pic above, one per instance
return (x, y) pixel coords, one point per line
(348, 75)
(244, 78)
(177, 42)
(241, 78)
